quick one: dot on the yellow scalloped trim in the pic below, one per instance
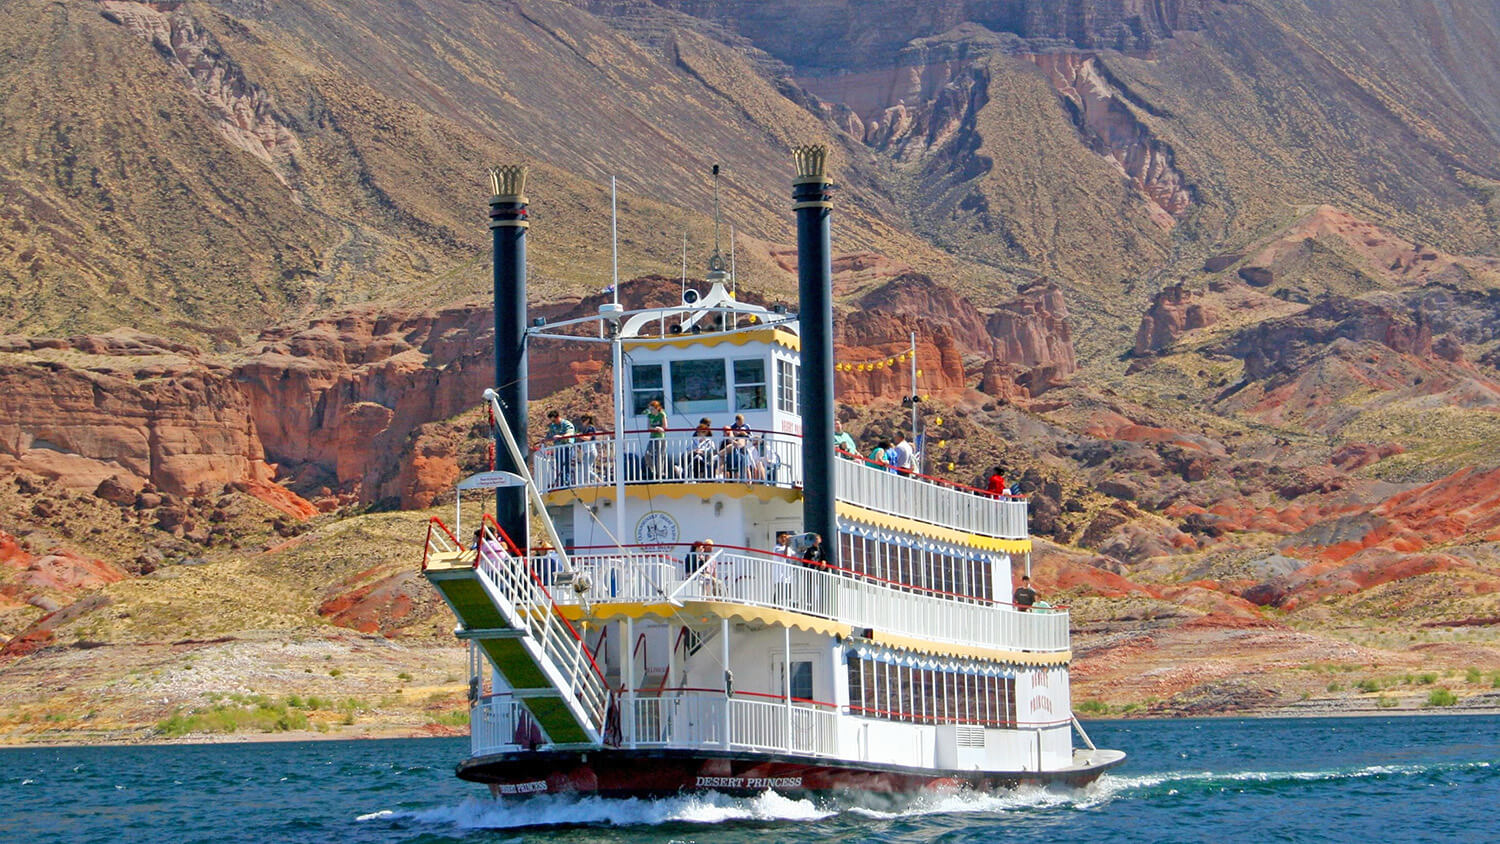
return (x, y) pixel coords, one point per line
(779, 336)
(702, 611)
(923, 646)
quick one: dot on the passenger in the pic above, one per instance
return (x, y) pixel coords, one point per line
(656, 424)
(843, 444)
(814, 552)
(754, 469)
(697, 556)
(547, 563)
(560, 434)
(588, 452)
(901, 457)
(734, 455)
(782, 549)
(739, 424)
(782, 568)
(1024, 596)
(702, 460)
(877, 456)
(996, 486)
(769, 465)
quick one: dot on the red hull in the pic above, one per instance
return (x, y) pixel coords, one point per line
(655, 773)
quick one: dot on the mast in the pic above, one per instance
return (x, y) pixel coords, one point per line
(508, 224)
(811, 201)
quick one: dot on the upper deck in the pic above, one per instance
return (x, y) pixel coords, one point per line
(770, 459)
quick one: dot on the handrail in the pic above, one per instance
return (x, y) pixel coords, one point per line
(773, 459)
(843, 570)
(452, 544)
(516, 580)
(757, 578)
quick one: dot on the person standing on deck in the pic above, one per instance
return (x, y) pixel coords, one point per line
(560, 433)
(656, 423)
(842, 442)
(901, 455)
(996, 486)
(588, 452)
(1024, 595)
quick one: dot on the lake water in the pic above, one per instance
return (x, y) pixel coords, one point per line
(1221, 780)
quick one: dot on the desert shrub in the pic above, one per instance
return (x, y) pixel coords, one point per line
(454, 718)
(1441, 697)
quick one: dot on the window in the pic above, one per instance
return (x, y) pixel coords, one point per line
(802, 680)
(645, 385)
(750, 384)
(699, 386)
(786, 386)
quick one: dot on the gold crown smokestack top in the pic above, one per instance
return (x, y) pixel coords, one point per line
(508, 226)
(811, 194)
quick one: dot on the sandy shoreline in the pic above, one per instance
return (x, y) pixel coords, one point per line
(1309, 710)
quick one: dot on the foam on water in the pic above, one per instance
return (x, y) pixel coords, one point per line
(562, 809)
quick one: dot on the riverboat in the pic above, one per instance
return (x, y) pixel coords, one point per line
(662, 639)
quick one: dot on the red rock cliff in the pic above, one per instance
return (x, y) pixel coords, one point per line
(125, 404)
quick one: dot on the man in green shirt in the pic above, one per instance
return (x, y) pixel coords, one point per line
(842, 442)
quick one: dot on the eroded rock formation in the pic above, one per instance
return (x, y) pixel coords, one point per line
(1175, 311)
(125, 406)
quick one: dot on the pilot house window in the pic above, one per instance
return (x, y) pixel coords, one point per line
(645, 385)
(699, 386)
(786, 386)
(750, 384)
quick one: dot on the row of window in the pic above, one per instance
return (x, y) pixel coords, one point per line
(704, 385)
(928, 696)
(940, 569)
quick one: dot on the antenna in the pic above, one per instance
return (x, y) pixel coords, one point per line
(614, 244)
(716, 209)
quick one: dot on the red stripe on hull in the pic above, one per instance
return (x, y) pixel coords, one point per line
(638, 773)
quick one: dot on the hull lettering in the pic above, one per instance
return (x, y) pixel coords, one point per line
(749, 782)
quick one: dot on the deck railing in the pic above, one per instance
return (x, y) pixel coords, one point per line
(678, 719)
(744, 576)
(775, 460)
(771, 459)
(916, 497)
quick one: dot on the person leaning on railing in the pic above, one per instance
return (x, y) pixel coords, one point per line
(843, 444)
(560, 432)
(588, 452)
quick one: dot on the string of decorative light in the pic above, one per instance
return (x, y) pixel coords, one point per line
(875, 364)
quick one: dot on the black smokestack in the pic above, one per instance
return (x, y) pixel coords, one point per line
(810, 198)
(508, 231)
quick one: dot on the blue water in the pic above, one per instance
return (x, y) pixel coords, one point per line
(1326, 779)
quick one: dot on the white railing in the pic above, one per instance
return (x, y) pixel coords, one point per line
(915, 498)
(680, 719)
(775, 460)
(492, 724)
(772, 459)
(767, 580)
(529, 607)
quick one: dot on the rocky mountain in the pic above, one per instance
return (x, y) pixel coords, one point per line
(1213, 281)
